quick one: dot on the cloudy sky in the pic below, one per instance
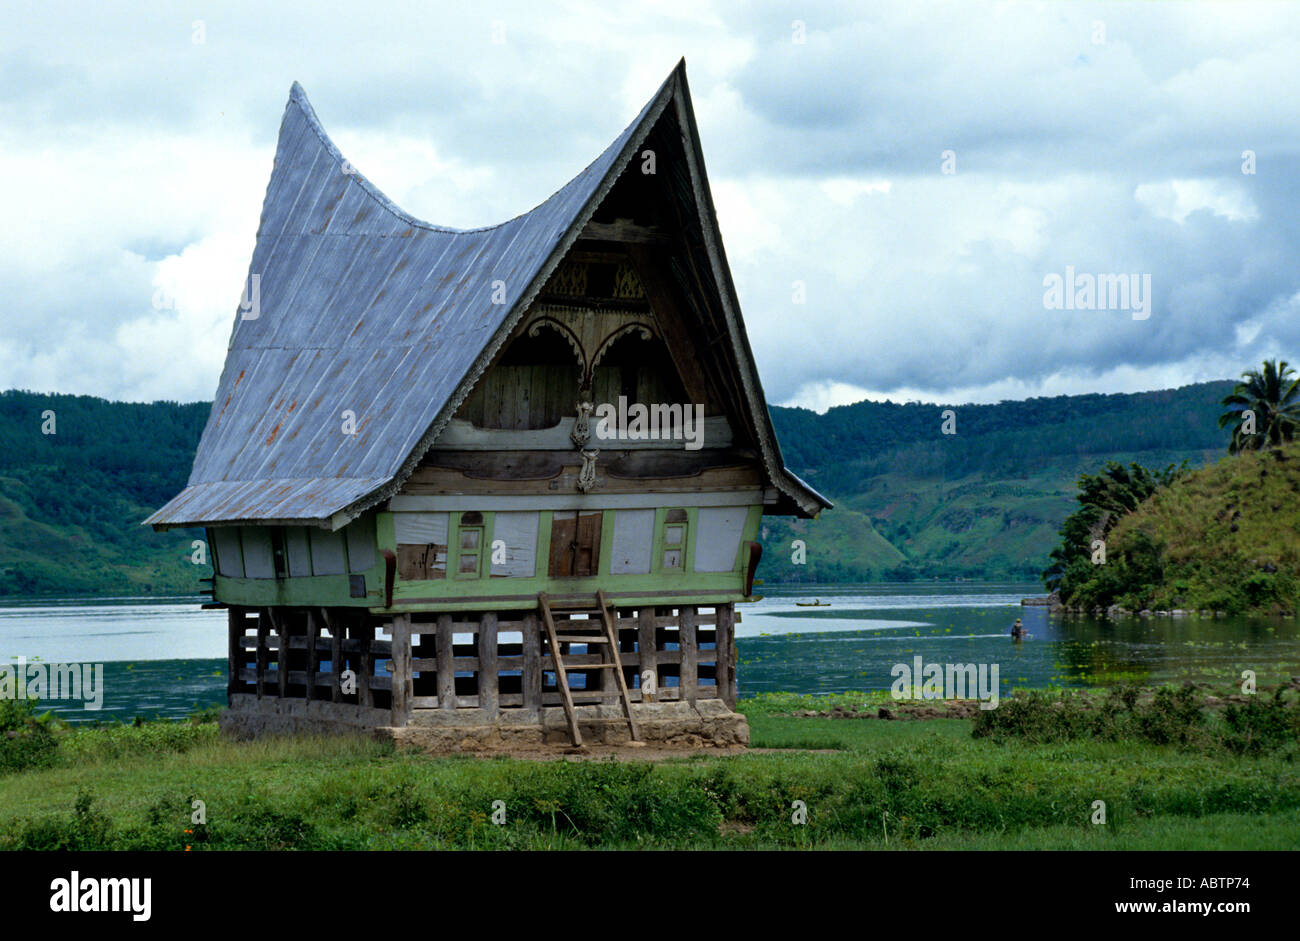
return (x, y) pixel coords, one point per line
(916, 171)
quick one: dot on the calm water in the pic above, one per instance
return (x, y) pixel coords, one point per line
(167, 657)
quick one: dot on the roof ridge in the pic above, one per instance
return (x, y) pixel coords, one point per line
(298, 96)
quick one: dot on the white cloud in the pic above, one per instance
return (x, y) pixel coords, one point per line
(137, 160)
(1178, 199)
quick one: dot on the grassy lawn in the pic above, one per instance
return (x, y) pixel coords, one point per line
(866, 784)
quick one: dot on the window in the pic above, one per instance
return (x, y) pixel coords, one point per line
(674, 554)
(471, 540)
(469, 543)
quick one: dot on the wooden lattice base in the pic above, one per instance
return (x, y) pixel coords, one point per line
(323, 665)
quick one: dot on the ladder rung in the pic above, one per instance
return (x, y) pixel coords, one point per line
(579, 667)
(581, 639)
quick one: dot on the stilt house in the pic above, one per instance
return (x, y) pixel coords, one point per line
(497, 484)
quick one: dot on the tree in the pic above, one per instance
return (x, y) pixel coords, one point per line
(1103, 500)
(1272, 394)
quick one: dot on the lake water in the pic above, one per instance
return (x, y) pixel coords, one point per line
(166, 657)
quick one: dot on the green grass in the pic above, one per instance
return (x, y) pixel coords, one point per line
(880, 784)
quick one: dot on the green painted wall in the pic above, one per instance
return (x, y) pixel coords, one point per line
(482, 591)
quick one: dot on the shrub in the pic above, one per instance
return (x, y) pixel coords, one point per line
(1172, 717)
(25, 739)
(1260, 726)
(86, 829)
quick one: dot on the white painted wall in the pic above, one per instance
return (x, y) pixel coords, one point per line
(229, 556)
(519, 532)
(327, 553)
(258, 560)
(298, 550)
(634, 533)
(420, 529)
(717, 540)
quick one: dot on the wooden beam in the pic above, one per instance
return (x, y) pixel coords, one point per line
(235, 623)
(488, 673)
(561, 679)
(689, 644)
(281, 652)
(611, 634)
(336, 656)
(401, 669)
(313, 633)
(647, 649)
(263, 626)
(726, 667)
(365, 693)
(623, 230)
(532, 671)
(446, 670)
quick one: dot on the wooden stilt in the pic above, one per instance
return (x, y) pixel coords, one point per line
(488, 670)
(647, 648)
(446, 664)
(688, 641)
(400, 667)
(313, 634)
(532, 673)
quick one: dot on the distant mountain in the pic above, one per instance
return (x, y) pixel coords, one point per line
(983, 502)
(911, 502)
(71, 502)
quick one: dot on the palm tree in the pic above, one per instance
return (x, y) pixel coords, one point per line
(1273, 394)
(1104, 499)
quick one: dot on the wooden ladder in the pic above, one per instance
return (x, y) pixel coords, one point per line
(580, 633)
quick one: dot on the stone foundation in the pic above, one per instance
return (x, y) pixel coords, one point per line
(704, 723)
(249, 717)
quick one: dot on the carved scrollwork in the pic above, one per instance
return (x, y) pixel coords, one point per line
(581, 432)
(587, 481)
(536, 328)
(647, 332)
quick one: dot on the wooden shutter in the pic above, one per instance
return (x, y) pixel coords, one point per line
(575, 544)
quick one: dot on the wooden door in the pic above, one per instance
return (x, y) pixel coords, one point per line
(575, 544)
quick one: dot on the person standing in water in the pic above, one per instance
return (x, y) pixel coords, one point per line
(1018, 630)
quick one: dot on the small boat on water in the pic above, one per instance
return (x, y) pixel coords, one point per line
(815, 603)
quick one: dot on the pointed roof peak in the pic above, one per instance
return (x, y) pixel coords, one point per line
(352, 285)
(608, 158)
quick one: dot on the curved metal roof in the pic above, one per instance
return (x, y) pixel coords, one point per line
(364, 309)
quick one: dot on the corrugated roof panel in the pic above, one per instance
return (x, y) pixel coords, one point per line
(361, 307)
(364, 308)
(291, 181)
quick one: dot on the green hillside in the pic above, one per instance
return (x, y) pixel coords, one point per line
(71, 502)
(985, 502)
(1224, 538)
(911, 502)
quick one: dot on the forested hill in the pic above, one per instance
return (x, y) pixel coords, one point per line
(985, 501)
(910, 500)
(71, 502)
